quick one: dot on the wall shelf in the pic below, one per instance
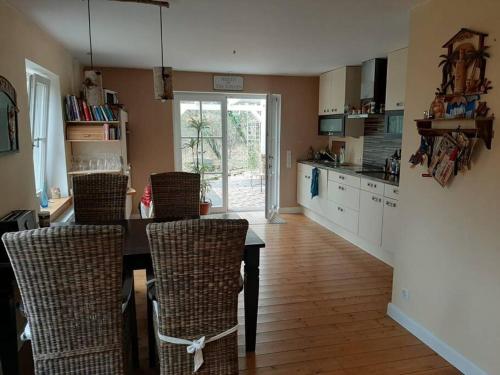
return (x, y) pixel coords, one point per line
(94, 123)
(78, 173)
(483, 128)
(93, 141)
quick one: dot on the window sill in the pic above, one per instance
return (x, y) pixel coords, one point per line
(57, 207)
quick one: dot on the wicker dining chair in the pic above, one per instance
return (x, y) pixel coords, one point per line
(197, 269)
(176, 195)
(99, 198)
(70, 279)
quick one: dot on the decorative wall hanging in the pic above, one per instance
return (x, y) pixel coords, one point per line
(448, 150)
(9, 141)
(162, 76)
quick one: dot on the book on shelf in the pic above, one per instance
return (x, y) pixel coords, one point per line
(79, 110)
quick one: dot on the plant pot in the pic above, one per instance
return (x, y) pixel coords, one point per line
(205, 208)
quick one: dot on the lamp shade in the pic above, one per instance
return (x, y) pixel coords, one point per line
(163, 83)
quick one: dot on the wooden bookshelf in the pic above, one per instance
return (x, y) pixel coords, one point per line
(79, 173)
(93, 140)
(92, 123)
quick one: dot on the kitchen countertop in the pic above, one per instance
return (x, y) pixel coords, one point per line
(355, 170)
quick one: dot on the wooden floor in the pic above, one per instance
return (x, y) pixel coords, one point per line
(322, 310)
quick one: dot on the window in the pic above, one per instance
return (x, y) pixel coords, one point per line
(39, 94)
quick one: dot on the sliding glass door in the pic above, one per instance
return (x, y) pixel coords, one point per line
(223, 137)
(200, 143)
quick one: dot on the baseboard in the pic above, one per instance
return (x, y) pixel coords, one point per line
(290, 210)
(436, 344)
(377, 251)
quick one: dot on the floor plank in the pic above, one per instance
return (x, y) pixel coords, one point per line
(322, 310)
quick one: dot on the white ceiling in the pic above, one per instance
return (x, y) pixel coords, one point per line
(302, 37)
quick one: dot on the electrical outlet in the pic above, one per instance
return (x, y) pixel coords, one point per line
(405, 294)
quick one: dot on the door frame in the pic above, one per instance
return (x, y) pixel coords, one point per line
(273, 155)
(222, 97)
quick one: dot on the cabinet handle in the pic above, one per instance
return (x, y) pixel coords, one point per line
(375, 199)
(342, 177)
(340, 209)
(390, 204)
(341, 188)
(396, 191)
(400, 104)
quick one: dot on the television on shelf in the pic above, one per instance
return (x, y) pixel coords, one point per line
(9, 141)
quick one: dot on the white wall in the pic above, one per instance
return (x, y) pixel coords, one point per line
(21, 39)
(449, 254)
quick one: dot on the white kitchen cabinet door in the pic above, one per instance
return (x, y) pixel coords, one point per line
(396, 80)
(338, 89)
(343, 194)
(320, 202)
(371, 210)
(303, 184)
(345, 217)
(391, 227)
(325, 93)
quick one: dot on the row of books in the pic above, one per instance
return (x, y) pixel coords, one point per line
(112, 133)
(78, 110)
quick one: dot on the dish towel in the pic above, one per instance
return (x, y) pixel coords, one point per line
(315, 183)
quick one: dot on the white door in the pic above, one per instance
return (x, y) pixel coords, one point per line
(207, 132)
(273, 154)
(200, 142)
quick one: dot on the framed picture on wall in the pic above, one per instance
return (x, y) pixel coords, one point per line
(9, 141)
(110, 97)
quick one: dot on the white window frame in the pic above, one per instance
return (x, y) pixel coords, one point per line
(39, 128)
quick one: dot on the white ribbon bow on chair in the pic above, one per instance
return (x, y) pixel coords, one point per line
(196, 346)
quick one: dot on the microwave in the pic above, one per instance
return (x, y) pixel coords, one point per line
(332, 125)
(341, 126)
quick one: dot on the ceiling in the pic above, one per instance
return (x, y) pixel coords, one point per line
(299, 37)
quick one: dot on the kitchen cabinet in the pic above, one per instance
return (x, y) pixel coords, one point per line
(339, 88)
(344, 179)
(396, 80)
(345, 195)
(304, 179)
(303, 184)
(364, 210)
(390, 228)
(371, 210)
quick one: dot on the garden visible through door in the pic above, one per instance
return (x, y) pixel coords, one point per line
(223, 137)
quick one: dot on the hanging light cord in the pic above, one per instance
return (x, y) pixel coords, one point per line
(161, 36)
(90, 38)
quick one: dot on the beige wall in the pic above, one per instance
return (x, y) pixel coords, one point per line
(21, 39)
(151, 123)
(449, 253)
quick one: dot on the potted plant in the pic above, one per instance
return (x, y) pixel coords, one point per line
(198, 165)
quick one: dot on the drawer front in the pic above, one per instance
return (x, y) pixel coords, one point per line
(391, 191)
(346, 218)
(344, 195)
(344, 179)
(372, 186)
(93, 133)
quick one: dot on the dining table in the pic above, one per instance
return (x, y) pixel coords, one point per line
(137, 256)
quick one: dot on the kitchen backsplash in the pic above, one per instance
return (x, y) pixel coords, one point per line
(378, 145)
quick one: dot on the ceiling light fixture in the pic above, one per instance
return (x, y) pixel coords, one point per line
(162, 76)
(92, 82)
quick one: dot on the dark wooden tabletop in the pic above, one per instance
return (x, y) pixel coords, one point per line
(136, 240)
